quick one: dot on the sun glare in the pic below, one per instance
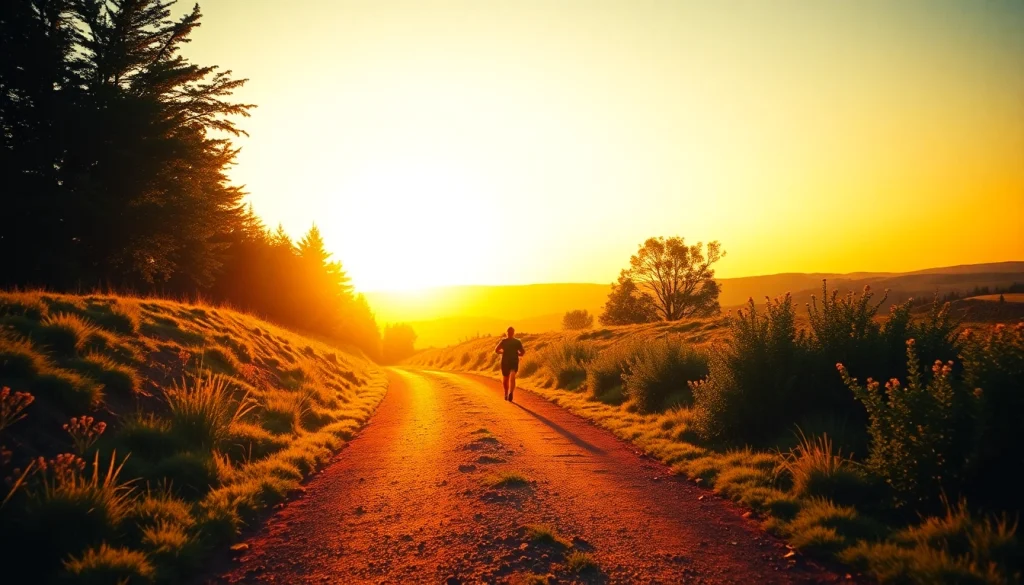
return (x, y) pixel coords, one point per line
(416, 223)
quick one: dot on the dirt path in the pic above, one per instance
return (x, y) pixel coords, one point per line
(408, 501)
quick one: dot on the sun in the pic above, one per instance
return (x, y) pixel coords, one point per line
(421, 224)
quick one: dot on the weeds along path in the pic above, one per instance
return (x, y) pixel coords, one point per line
(450, 483)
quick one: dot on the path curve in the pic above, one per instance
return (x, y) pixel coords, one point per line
(409, 501)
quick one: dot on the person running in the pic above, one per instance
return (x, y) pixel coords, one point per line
(511, 349)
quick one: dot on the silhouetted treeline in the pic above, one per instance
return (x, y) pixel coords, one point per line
(113, 158)
(978, 291)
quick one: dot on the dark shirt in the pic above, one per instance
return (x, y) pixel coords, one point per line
(510, 350)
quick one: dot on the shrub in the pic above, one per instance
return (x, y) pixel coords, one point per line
(659, 372)
(751, 387)
(566, 360)
(201, 412)
(578, 319)
(995, 364)
(604, 372)
(106, 564)
(773, 377)
(920, 434)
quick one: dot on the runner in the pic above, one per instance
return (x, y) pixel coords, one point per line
(511, 349)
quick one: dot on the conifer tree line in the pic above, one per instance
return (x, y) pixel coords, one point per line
(113, 156)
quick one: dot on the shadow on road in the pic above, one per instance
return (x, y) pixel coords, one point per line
(562, 431)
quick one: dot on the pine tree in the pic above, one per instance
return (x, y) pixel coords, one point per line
(115, 168)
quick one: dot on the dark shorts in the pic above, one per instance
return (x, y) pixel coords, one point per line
(507, 368)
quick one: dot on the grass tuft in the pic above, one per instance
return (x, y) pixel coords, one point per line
(580, 562)
(816, 471)
(202, 410)
(106, 564)
(546, 535)
(507, 479)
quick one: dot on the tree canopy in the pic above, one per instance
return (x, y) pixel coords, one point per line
(578, 319)
(114, 150)
(668, 280)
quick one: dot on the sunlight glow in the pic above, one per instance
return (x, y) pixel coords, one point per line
(441, 143)
(419, 225)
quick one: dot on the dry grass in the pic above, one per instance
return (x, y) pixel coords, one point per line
(187, 393)
(821, 501)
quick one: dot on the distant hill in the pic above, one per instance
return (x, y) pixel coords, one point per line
(445, 315)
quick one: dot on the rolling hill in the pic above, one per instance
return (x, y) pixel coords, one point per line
(445, 315)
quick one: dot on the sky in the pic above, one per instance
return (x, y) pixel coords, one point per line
(488, 142)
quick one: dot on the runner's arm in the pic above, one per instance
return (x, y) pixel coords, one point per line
(497, 348)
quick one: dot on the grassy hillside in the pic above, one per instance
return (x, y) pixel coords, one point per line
(139, 435)
(749, 407)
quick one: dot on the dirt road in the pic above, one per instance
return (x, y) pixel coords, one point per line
(410, 500)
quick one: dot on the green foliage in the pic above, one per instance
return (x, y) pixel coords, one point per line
(605, 371)
(995, 364)
(678, 279)
(773, 376)
(577, 319)
(920, 433)
(658, 373)
(752, 387)
(627, 305)
(567, 362)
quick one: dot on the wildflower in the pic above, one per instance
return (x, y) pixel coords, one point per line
(12, 406)
(84, 432)
(911, 342)
(977, 392)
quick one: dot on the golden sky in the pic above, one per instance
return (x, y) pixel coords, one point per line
(515, 142)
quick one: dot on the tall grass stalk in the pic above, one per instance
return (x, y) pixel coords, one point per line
(201, 412)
